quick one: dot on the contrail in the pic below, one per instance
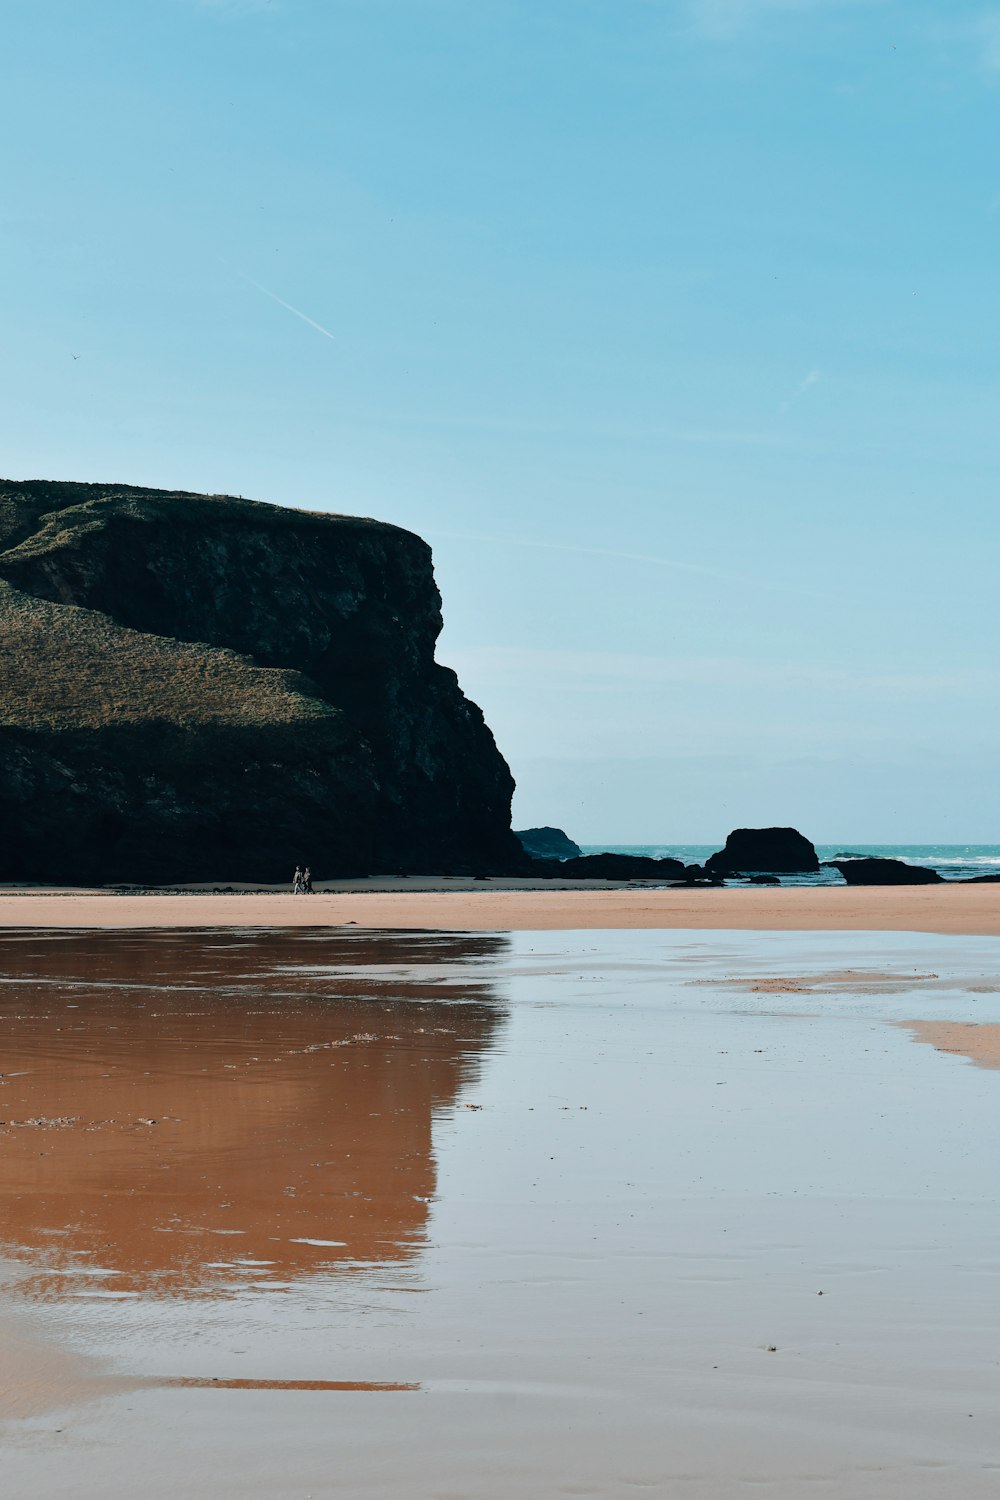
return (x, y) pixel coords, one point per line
(640, 557)
(643, 557)
(287, 305)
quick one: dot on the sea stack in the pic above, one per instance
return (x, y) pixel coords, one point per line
(771, 851)
(198, 687)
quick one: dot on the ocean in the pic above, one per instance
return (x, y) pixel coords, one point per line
(953, 861)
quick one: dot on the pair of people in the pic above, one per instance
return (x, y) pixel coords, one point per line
(302, 881)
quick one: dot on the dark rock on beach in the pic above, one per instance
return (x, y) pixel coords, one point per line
(547, 843)
(619, 867)
(199, 687)
(884, 872)
(780, 851)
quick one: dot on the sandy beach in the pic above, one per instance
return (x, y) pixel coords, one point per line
(455, 905)
(496, 1214)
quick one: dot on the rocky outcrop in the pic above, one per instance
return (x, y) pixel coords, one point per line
(773, 851)
(884, 872)
(547, 843)
(619, 867)
(201, 687)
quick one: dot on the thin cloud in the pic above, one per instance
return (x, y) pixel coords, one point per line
(287, 305)
(804, 385)
(721, 20)
(987, 32)
(239, 7)
(978, 34)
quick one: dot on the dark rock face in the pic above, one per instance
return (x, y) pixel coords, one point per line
(199, 687)
(781, 851)
(619, 867)
(547, 843)
(884, 872)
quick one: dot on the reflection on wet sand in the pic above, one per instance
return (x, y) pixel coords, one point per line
(192, 1112)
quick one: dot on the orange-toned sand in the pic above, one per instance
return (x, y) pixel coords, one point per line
(467, 906)
(139, 1110)
(978, 1041)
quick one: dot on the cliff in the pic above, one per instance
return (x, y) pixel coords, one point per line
(198, 687)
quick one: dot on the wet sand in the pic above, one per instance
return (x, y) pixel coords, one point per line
(525, 906)
(39, 1375)
(315, 1213)
(193, 1107)
(978, 1042)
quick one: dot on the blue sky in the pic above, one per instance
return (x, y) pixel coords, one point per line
(671, 324)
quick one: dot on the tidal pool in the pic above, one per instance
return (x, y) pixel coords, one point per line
(323, 1213)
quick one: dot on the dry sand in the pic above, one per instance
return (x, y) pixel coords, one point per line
(474, 906)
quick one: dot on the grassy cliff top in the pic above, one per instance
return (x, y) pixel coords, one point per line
(36, 514)
(65, 668)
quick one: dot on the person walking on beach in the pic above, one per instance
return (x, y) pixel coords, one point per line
(297, 883)
(307, 881)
